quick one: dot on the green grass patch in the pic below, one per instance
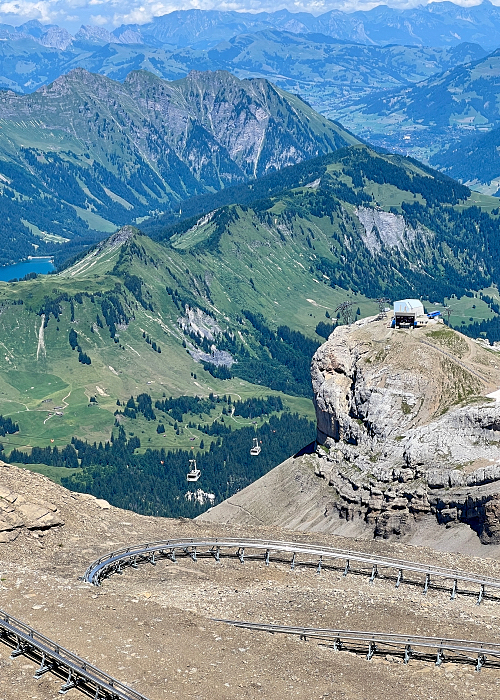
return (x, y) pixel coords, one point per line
(35, 385)
(447, 338)
(406, 408)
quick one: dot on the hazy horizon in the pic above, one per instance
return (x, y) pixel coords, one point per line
(109, 14)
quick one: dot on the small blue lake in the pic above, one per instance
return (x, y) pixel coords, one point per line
(41, 266)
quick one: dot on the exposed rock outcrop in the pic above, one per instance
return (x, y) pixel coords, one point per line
(405, 428)
(17, 512)
(383, 228)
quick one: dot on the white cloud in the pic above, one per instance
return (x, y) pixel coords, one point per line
(99, 20)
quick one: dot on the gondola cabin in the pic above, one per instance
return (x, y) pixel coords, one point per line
(255, 450)
(194, 473)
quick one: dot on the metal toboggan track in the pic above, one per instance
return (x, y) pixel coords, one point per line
(79, 674)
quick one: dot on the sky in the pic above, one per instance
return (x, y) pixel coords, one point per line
(112, 13)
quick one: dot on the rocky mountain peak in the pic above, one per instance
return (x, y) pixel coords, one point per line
(372, 381)
(94, 34)
(65, 83)
(406, 427)
(57, 38)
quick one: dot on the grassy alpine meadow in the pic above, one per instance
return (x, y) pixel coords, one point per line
(53, 396)
(196, 338)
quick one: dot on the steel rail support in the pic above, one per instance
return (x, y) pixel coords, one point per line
(44, 667)
(54, 658)
(376, 639)
(70, 683)
(19, 650)
(96, 571)
(440, 657)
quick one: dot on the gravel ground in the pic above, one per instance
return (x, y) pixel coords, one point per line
(153, 628)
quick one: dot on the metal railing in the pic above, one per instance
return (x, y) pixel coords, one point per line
(240, 547)
(89, 679)
(53, 658)
(409, 645)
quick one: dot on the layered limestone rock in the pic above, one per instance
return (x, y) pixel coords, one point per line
(405, 428)
(18, 512)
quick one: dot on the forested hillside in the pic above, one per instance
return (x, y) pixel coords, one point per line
(145, 334)
(376, 224)
(475, 159)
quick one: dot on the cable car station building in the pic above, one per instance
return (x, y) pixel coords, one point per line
(407, 311)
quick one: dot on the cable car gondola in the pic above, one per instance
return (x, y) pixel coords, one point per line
(194, 473)
(256, 448)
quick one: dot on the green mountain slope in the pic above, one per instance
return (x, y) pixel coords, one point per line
(377, 224)
(230, 303)
(87, 154)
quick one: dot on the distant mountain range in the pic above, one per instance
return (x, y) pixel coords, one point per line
(412, 81)
(435, 24)
(326, 71)
(87, 154)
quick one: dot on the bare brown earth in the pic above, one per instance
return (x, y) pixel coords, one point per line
(152, 627)
(292, 497)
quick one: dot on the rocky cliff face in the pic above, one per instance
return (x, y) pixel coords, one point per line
(210, 125)
(405, 428)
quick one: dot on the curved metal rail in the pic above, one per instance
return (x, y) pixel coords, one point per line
(408, 644)
(55, 659)
(132, 556)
